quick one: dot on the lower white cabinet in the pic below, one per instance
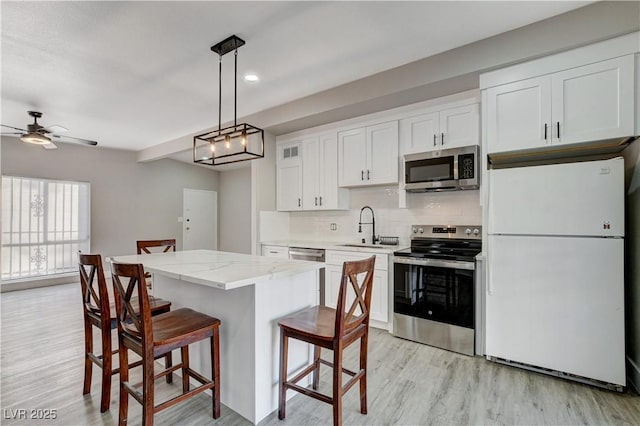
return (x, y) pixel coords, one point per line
(275, 251)
(379, 297)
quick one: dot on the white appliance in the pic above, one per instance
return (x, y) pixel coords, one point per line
(555, 290)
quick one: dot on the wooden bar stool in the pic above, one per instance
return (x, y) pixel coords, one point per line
(99, 313)
(154, 246)
(151, 337)
(333, 329)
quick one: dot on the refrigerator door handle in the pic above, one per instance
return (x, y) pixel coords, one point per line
(488, 274)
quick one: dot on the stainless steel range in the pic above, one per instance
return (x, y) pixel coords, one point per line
(434, 286)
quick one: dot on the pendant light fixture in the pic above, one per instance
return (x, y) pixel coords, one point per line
(240, 142)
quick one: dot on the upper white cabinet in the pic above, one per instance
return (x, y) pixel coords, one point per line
(307, 174)
(447, 128)
(368, 155)
(581, 104)
(289, 176)
(320, 174)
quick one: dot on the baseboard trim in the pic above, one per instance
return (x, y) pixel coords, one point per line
(633, 374)
(38, 282)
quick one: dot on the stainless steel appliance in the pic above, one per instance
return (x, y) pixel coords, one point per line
(443, 170)
(313, 255)
(434, 287)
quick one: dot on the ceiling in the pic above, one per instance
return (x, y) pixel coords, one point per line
(132, 75)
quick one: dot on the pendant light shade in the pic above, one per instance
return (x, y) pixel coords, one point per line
(239, 142)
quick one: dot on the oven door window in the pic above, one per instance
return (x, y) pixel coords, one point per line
(430, 170)
(438, 294)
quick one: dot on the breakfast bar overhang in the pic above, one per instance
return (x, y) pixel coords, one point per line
(248, 294)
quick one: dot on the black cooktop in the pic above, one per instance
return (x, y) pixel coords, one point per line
(442, 248)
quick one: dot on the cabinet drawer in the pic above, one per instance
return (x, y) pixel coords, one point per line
(275, 251)
(335, 257)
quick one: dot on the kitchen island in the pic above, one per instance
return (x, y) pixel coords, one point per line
(248, 294)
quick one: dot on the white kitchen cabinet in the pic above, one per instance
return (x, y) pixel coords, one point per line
(320, 174)
(447, 128)
(368, 155)
(281, 252)
(379, 295)
(582, 104)
(289, 176)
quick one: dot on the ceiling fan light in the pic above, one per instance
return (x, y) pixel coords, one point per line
(35, 138)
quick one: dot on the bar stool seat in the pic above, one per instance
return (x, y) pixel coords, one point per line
(333, 329)
(153, 336)
(99, 312)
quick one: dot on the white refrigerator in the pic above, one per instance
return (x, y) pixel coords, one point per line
(555, 290)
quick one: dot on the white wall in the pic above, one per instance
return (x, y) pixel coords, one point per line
(632, 261)
(263, 184)
(234, 210)
(129, 200)
(442, 208)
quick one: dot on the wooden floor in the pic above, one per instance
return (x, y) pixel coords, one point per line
(41, 366)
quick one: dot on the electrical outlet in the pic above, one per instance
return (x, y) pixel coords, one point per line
(333, 227)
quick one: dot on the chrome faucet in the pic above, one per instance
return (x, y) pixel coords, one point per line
(372, 223)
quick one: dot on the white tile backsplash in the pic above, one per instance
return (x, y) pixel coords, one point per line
(438, 208)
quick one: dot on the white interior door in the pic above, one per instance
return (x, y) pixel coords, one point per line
(200, 223)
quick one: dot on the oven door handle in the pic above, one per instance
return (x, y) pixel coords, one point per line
(437, 263)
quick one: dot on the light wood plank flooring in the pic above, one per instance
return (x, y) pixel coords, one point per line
(41, 364)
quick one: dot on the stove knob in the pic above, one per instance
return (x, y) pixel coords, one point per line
(476, 232)
(467, 231)
(421, 231)
(415, 230)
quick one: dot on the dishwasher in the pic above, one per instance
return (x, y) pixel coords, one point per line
(313, 255)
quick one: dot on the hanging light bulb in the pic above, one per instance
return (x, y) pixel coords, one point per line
(243, 138)
(213, 147)
(227, 142)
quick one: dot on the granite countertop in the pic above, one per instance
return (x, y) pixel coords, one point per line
(334, 245)
(219, 269)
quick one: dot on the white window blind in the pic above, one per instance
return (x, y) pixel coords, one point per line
(44, 224)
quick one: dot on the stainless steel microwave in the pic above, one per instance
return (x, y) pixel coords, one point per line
(443, 170)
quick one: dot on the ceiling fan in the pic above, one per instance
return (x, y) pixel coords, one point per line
(38, 135)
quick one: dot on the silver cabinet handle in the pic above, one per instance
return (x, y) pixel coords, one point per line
(316, 201)
(273, 252)
(299, 203)
(558, 127)
(442, 138)
(321, 200)
(545, 131)
(361, 174)
(367, 174)
(434, 139)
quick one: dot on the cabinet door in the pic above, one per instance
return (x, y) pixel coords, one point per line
(379, 296)
(352, 157)
(382, 154)
(311, 172)
(594, 101)
(332, 278)
(420, 133)
(329, 195)
(289, 177)
(460, 126)
(517, 114)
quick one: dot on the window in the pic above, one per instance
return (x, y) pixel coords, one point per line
(44, 224)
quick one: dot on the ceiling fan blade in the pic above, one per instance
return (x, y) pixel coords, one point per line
(75, 140)
(55, 129)
(14, 128)
(49, 145)
(11, 134)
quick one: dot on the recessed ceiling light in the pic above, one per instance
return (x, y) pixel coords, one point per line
(251, 78)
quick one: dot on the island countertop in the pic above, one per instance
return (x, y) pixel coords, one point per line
(219, 269)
